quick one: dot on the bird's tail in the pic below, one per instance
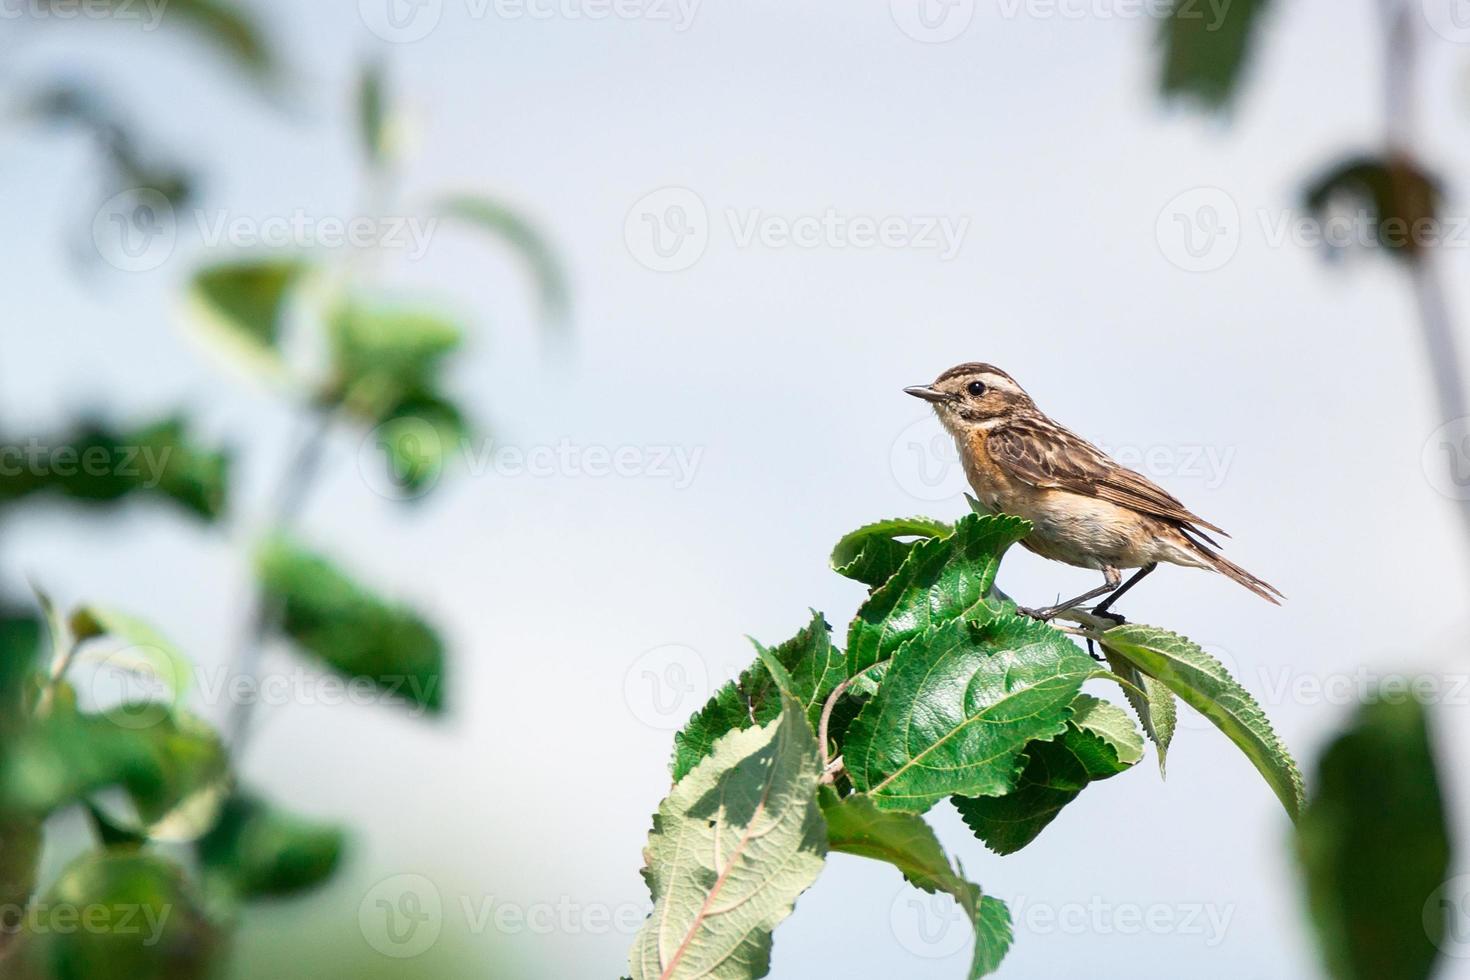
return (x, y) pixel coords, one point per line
(1231, 570)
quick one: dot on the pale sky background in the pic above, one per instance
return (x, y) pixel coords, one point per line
(1282, 398)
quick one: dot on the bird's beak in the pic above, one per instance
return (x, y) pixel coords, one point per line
(927, 393)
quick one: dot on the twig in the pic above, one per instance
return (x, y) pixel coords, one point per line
(826, 719)
(265, 616)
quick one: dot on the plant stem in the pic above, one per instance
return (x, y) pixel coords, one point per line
(1436, 323)
(265, 615)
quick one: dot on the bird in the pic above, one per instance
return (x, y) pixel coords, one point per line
(1085, 508)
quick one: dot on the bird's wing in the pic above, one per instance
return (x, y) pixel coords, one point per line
(1047, 455)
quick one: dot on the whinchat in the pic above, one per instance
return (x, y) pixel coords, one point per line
(1085, 508)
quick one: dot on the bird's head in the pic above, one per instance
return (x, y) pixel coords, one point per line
(969, 396)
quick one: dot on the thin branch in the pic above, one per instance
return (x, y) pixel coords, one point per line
(265, 616)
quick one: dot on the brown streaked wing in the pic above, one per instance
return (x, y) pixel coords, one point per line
(1046, 455)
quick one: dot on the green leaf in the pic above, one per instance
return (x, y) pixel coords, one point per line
(258, 851)
(856, 826)
(1374, 847)
(352, 631)
(143, 921)
(874, 552)
(372, 113)
(815, 667)
(97, 464)
(241, 304)
(170, 763)
(1152, 702)
(957, 708)
(140, 647)
(1205, 48)
(516, 231)
(1100, 741)
(941, 579)
(229, 28)
(733, 845)
(1204, 684)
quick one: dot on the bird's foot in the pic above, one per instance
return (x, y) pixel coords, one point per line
(1092, 652)
(1042, 615)
(1118, 619)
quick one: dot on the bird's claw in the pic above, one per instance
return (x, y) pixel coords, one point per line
(1040, 615)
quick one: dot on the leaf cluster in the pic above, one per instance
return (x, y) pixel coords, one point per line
(944, 692)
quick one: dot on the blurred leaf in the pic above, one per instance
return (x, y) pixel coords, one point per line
(228, 27)
(1206, 46)
(162, 758)
(372, 112)
(1152, 702)
(144, 921)
(940, 580)
(732, 846)
(904, 840)
(385, 357)
(503, 223)
(1375, 848)
(141, 646)
(1397, 198)
(1203, 683)
(21, 840)
(263, 852)
(957, 708)
(874, 552)
(1100, 741)
(815, 666)
(21, 669)
(241, 305)
(330, 616)
(98, 464)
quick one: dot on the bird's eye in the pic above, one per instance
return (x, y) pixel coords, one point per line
(976, 388)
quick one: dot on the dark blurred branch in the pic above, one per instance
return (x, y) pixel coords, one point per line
(1401, 22)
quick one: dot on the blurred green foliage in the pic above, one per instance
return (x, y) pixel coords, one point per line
(1374, 846)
